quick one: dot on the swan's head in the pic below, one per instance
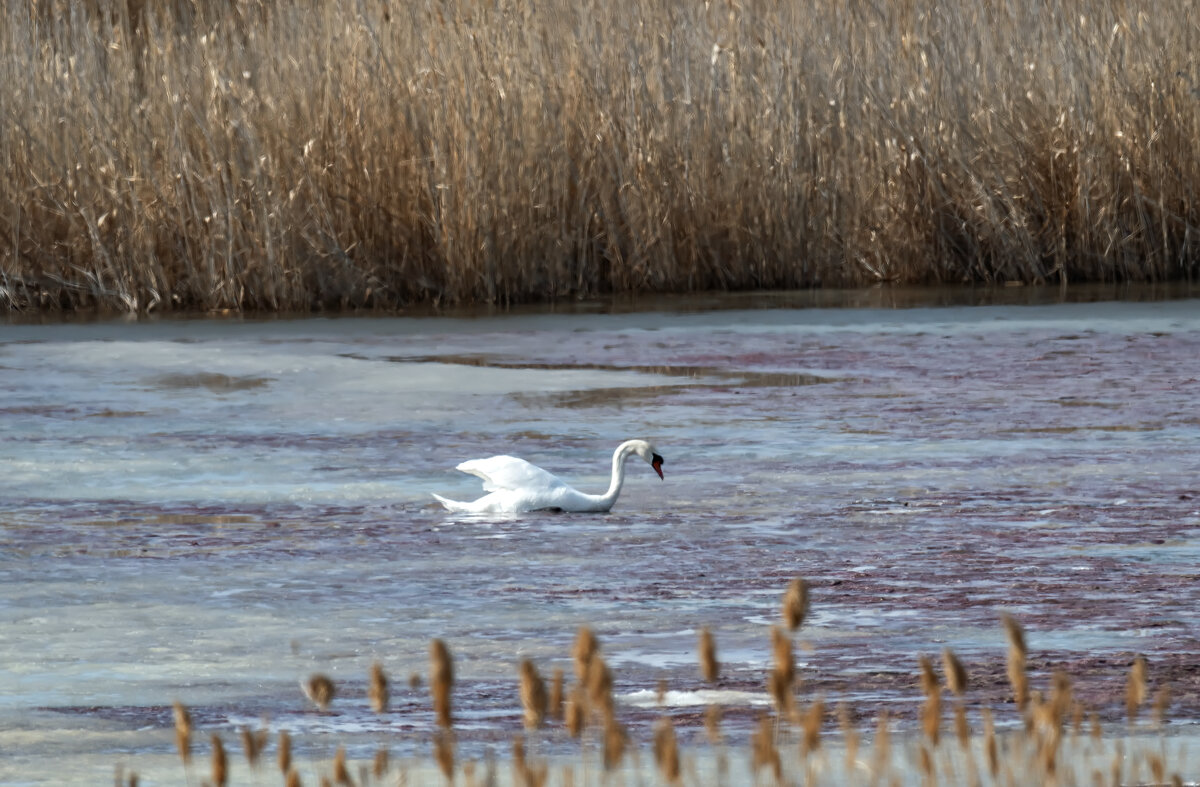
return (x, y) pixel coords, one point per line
(651, 455)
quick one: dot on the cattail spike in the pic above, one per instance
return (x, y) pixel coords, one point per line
(710, 668)
(441, 681)
(795, 604)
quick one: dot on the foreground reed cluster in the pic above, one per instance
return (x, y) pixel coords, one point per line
(240, 154)
(1046, 743)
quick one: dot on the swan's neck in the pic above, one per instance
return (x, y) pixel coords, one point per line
(618, 474)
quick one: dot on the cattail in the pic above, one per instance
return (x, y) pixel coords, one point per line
(666, 750)
(710, 668)
(811, 724)
(883, 743)
(341, 775)
(927, 766)
(320, 690)
(183, 732)
(220, 765)
(533, 695)
(929, 681)
(615, 741)
(1060, 698)
(781, 649)
(441, 680)
(576, 712)
(556, 694)
(956, 675)
(1135, 688)
(285, 752)
(712, 723)
(1162, 700)
(989, 744)
(520, 771)
(585, 650)
(795, 604)
(962, 730)
(250, 745)
(763, 751)
(380, 765)
(443, 752)
(1017, 655)
(931, 717)
(377, 689)
(599, 686)
(293, 779)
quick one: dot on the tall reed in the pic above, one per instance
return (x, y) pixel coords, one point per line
(238, 154)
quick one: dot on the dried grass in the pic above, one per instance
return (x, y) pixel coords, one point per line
(238, 154)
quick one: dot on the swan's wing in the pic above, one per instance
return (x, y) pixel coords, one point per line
(508, 472)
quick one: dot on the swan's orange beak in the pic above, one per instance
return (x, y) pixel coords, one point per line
(657, 463)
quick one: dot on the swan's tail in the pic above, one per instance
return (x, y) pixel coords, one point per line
(454, 505)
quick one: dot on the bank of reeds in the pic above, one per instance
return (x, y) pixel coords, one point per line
(239, 154)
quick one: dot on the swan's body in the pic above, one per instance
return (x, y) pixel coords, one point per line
(515, 486)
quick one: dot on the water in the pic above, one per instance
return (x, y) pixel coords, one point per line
(211, 511)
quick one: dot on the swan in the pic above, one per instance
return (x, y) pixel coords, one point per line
(515, 486)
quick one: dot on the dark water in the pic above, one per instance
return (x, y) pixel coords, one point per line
(211, 512)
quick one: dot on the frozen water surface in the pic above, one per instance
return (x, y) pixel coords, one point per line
(211, 511)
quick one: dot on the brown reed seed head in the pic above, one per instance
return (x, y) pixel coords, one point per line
(1017, 677)
(1061, 698)
(599, 686)
(931, 717)
(380, 764)
(615, 742)
(1135, 688)
(183, 731)
(576, 711)
(250, 745)
(795, 604)
(781, 650)
(811, 725)
(883, 743)
(443, 752)
(956, 674)
(710, 668)
(377, 688)
(414, 680)
(584, 651)
(712, 723)
(1162, 701)
(666, 750)
(660, 692)
(533, 695)
(762, 748)
(320, 690)
(1016, 635)
(220, 765)
(556, 694)
(341, 774)
(929, 681)
(285, 751)
(293, 779)
(441, 681)
(961, 729)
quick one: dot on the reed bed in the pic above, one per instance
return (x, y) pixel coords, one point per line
(1046, 735)
(298, 155)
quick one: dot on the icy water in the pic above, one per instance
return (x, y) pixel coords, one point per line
(211, 511)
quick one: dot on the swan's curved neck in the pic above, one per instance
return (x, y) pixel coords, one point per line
(618, 473)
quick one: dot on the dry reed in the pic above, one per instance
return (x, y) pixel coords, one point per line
(320, 690)
(795, 604)
(710, 668)
(287, 155)
(441, 681)
(377, 688)
(533, 695)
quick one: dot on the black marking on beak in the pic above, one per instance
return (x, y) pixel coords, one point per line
(656, 462)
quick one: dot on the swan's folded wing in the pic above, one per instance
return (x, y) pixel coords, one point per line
(509, 472)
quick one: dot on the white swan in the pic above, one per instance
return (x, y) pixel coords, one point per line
(515, 485)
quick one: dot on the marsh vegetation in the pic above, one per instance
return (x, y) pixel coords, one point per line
(295, 156)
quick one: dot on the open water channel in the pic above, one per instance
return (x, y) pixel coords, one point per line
(212, 510)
